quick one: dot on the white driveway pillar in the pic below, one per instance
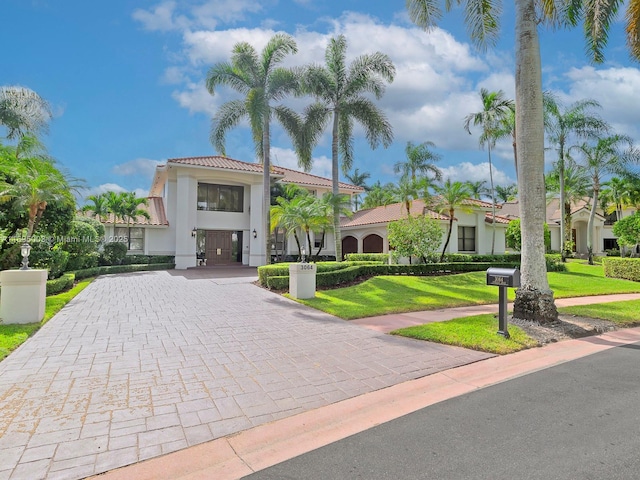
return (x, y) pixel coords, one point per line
(187, 195)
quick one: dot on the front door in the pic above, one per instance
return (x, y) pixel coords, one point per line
(218, 247)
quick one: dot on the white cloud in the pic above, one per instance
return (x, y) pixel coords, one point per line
(287, 158)
(139, 166)
(108, 187)
(467, 171)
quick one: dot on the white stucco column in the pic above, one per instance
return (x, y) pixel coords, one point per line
(187, 195)
(257, 254)
(23, 295)
(360, 244)
(483, 235)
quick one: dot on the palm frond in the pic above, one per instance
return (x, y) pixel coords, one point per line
(424, 13)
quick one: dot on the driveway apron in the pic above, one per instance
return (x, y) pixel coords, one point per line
(140, 365)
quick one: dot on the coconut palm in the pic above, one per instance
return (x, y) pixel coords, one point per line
(607, 156)
(496, 109)
(478, 189)
(562, 125)
(98, 207)
(618, 193)
(534, 300)
(379, 195)
(359, 180)
(420, 159)
(452, 196)
(262, 82)
(23, 111)
(341, 93)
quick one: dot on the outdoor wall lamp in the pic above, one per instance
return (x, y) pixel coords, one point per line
(194, 232)
(255, 234)
(25, 250)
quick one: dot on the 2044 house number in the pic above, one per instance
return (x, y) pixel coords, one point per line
(306, 266)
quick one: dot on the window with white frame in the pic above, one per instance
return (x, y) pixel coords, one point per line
(466, 239)
(319, 240)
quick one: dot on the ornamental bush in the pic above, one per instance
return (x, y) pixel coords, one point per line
(626, 268)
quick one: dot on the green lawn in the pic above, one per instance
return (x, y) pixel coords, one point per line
(625, 314)
(390, 294)
(12, 336)
(477, 332)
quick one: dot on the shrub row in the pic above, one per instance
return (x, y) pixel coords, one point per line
(626, 268)
(60, 284)
(367, 257)
(92, 272)
(278, 278)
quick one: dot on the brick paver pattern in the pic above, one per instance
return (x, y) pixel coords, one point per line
(140, 365)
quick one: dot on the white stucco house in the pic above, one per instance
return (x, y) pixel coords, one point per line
(603, 237)
(366, 230)
(208, 210)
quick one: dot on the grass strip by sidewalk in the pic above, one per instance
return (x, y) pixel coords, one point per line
(12, 336)
(478, 332)
(396, 294)
(624, 314)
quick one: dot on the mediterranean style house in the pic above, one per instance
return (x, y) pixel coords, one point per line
(208, 211)
(603, 237)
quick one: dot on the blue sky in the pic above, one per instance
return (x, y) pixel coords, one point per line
(126, 80)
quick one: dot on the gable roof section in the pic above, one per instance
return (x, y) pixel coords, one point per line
(389, 213)
(500, 219)
(511, 210)
(287, 175)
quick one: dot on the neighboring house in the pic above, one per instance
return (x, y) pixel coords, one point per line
(209, 210)
(366, 230)
(603, 237)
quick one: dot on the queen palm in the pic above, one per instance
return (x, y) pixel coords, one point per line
(340, 90)
(506, 193)
(262, 82)
(562, 124)
(379, 195)
(452, 196)
(478, 189)
(495, 110)
(131, 209)
(23, 111)
(420, 159)
(534, 300)
(98, 206)
(607, 156)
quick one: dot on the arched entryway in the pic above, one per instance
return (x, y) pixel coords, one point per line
(349, 245)
(372, 244)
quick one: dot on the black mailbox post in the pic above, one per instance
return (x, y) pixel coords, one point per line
(503, 278)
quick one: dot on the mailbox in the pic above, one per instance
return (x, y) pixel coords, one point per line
(503, 277)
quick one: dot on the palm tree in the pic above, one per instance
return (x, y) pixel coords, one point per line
(379, 195)
(32, 184)
(452, 196)
(359, 180)
(561, 125)
(23, 111)
(115, 206)
(506, 193)
(478, 189)
(577, 185)
(328, 204)
(495, 110)
(407, 191)
(262, 82)
(604, 158)
(131, 210)
(340, 91)
(419, 160)
(98, 207)
(534, 300)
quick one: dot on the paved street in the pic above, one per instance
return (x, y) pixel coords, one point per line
(578, 420)
(144, 364)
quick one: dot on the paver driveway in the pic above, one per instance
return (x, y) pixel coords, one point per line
(143, 364)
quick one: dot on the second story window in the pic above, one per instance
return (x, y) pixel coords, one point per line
(220, 198)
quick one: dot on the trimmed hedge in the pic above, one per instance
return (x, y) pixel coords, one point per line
(626, 268)
(282, 269)
(61, 284)
(367, 257)
(95, 271)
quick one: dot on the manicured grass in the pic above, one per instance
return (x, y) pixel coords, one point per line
(477, 332)
(624, 314)
(396, 294)
(12, 336)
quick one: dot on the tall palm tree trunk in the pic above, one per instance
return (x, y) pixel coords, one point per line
(266, 187)
(493, 203)
(534, 299)
(592, 216)
(335, 185)
(563, 226)
(446, 244)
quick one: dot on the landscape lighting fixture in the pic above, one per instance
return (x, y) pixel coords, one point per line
(25, 250)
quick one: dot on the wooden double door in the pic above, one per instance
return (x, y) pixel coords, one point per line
(218, 247)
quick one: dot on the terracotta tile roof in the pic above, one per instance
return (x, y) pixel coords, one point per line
(288, 175)
(499, 219)
(307, 179)
(389, 213)
(512, 209)
(157, 215)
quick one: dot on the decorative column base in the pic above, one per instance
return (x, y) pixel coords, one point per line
(23, 295)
